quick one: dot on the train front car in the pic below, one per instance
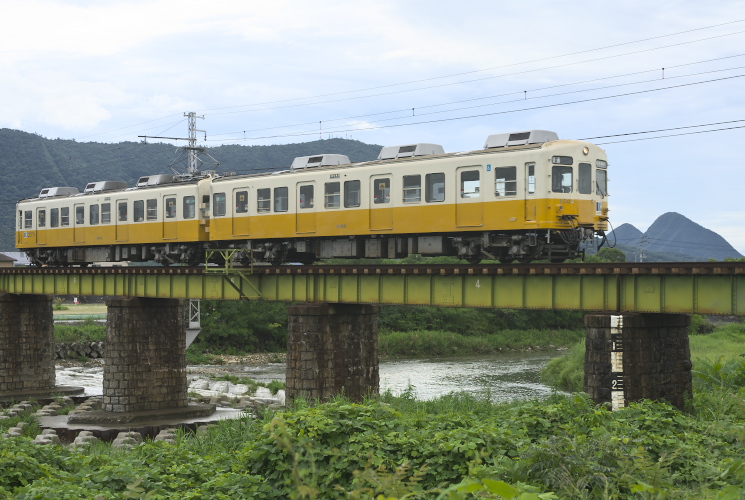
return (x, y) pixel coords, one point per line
(525, 196)
(550, 196)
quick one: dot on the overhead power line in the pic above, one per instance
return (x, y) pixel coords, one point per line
(449, 75)
(509, 65)
(494, 113)
(482, 98)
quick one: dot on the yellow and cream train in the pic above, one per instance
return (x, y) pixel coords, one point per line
(524, 196)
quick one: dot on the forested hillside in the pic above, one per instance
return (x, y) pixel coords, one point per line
(29, 162)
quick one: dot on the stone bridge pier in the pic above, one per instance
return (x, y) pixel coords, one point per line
(630, 357)
(27, 349)
(144, 374)
(332, 349)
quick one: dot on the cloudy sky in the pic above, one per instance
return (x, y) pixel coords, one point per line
(395, 72)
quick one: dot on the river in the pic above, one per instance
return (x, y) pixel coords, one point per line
(504, 377)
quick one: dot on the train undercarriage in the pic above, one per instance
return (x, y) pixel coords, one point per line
(552, 245)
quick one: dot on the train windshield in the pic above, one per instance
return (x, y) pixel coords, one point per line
(601, 182)
(561, 179)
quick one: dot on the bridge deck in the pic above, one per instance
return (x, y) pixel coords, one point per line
(675, 287)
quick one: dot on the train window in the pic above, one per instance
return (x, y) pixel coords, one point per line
(585, 179)
(152, 209)
(20, 219)
(562, 160)
(434, 185)
(139, 209)
(332, 198)
(382, 190)
(561, 179)
(505, 181)
(41, 218)
(190, 207)
(470, 184)
(122, 207)
(306, 196)
(54, 217)
(601, 163)
(531, 177)
(170, 208)
(601, 182)
(412, 188)
(220, 204)
(65, 216)
(241, 202)
(263, 200)
(351, 194)
(93, 214)
(29, 220)
(105, 213)
(80, 215)
(281, 195)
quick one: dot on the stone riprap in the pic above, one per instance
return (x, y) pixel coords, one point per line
(223, 393)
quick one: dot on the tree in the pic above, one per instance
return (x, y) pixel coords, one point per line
(607, 255)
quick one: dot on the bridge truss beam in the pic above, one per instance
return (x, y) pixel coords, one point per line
(697, 288)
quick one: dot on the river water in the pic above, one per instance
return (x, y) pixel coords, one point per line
(504, 377)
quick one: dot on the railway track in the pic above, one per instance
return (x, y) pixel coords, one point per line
(615, 268)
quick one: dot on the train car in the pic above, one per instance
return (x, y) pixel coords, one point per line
(158, 219)
(524, 196)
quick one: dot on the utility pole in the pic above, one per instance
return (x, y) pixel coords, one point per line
(642, 242)
(192, 148)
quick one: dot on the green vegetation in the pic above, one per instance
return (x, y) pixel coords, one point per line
(432, 343)
(455, 447)
(87, 331)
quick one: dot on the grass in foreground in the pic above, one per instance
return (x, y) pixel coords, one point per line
(455, 447)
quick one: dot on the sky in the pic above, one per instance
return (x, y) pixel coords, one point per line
(395, 72)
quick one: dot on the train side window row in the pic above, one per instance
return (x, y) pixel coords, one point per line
(101, 214)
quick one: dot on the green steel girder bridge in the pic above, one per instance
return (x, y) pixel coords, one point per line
(675, 287)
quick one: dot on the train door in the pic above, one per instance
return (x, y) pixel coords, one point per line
(41, 226)
(241, 220)
(170, 221)
(381, 206)
(469, 202)
(306, 207)
(530, 188)
(79, 223)
(122, 214)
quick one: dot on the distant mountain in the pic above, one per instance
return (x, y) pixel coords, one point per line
(673, 238)
(626, 234)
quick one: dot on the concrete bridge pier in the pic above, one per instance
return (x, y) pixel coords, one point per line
(27, 349)
(630, 357)
(332, 349)
(144, 374)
